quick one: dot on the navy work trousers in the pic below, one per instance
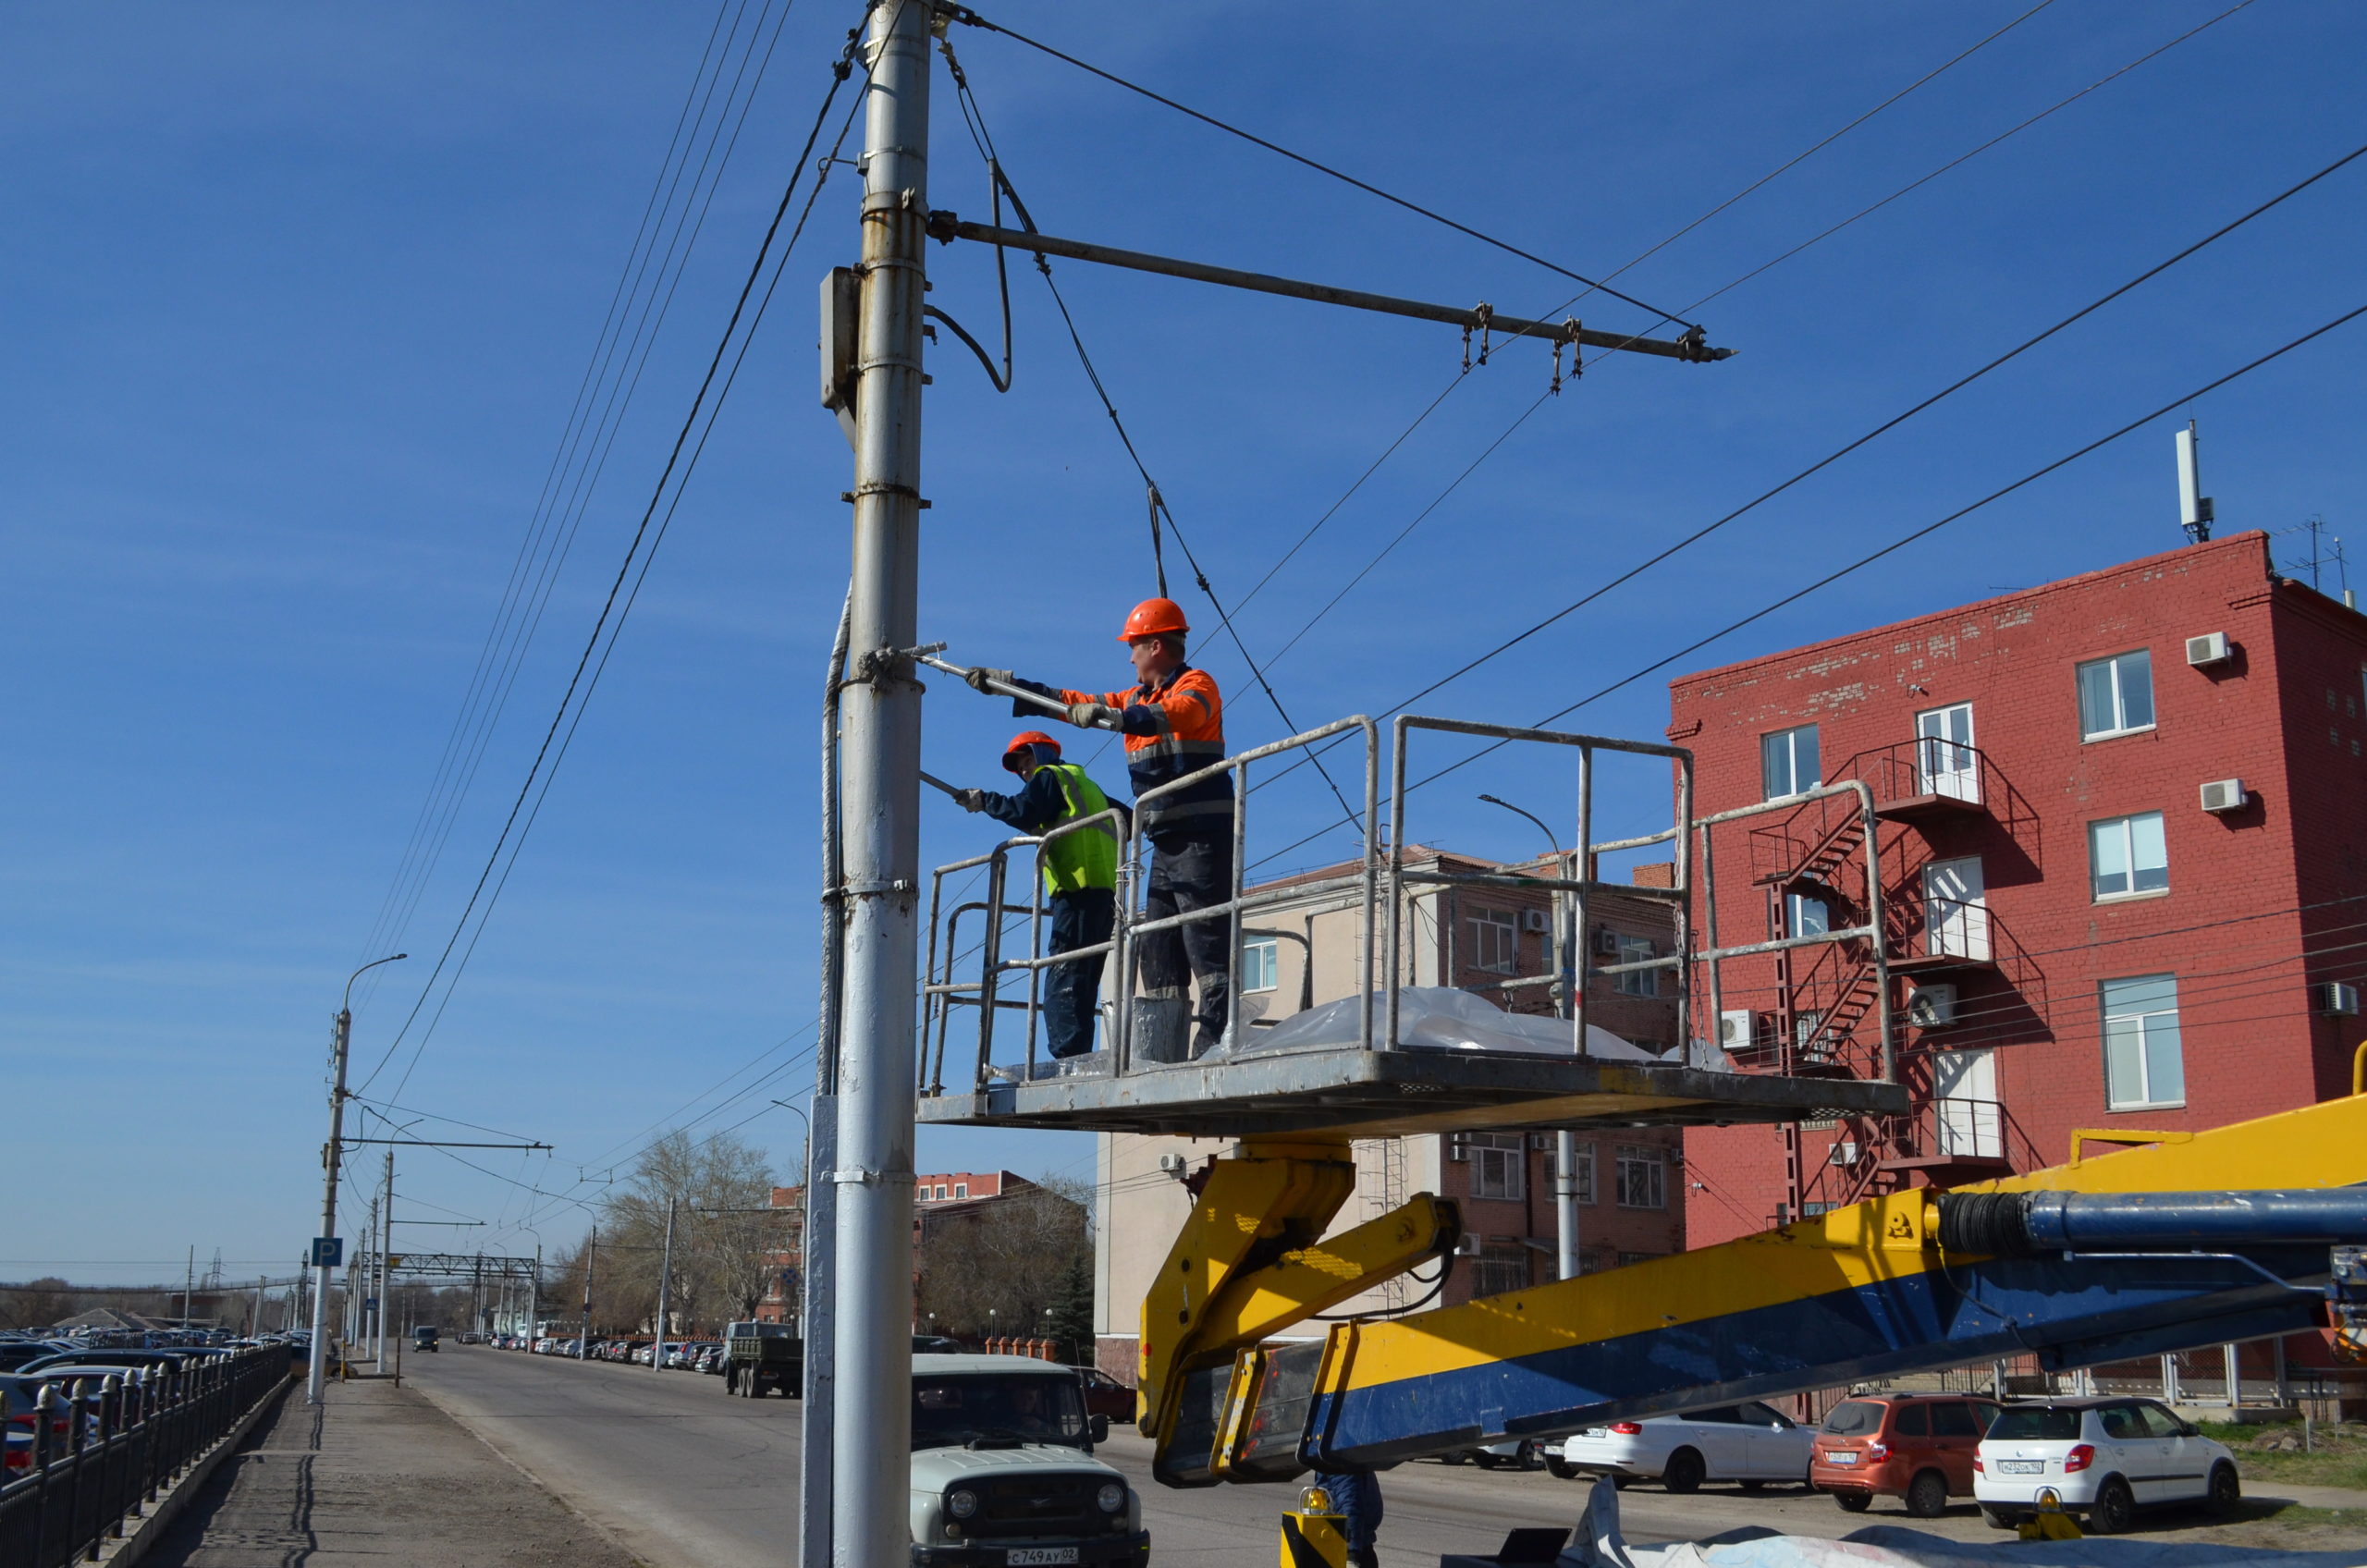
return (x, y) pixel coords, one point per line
(1071, 991)
(1188, 874)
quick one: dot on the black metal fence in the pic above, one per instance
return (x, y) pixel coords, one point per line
(103, 1448)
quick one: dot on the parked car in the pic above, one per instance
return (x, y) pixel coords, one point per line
(110, 1360)
(1517, 1453)
(1751, 1443)
(1104, 1395)
(2103, 1458)
(1912, 1446)
(14, 1354)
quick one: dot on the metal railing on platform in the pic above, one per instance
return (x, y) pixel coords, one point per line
(103, 1449)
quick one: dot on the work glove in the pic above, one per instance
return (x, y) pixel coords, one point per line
(1087, 715)
(979, 677)
(970, 800)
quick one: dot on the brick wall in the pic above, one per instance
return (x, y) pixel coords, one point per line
(2225, 927)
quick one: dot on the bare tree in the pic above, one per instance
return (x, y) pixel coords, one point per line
(723, 1254)
(997, 1265)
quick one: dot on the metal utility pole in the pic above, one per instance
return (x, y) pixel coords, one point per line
(367, 1304)
(1563, 944)
(664, 1286)
(871, 1434)
(383, 1244)
(591, 1257)
(317, 1373)
(189, 1288)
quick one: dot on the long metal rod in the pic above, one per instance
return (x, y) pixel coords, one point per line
(665, 1291)
(946, 226)
(316, 1369)
(871, 1432)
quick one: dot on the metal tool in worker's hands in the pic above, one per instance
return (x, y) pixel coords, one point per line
(1002, 684)
(968, 800)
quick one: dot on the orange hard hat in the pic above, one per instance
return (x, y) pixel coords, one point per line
(1153, 616)
(1028, 738)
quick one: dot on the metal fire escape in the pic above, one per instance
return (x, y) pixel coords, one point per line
(1827, 1017)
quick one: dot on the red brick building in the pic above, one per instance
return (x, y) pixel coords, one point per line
(2119, 824)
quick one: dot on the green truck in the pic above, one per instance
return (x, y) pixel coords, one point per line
(760, 1357)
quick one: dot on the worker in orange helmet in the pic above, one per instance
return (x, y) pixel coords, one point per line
(1080, 877)
(1173, 722)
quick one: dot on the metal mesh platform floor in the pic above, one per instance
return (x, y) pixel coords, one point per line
(1381, 1094)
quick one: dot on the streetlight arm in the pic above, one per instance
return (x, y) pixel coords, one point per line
(348, 1005)
(1533, 817)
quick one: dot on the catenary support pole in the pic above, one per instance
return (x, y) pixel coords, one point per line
(383, 1245)
(871, 1435)
(591, 1257)
(665, 1291)
(316, 1371)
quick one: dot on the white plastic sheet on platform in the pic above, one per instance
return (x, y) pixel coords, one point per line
(1599, 1545)
(1438, 1018)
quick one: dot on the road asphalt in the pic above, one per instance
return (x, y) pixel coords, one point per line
(688, 1477)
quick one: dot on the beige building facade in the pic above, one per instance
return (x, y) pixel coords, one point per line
(1495, 943)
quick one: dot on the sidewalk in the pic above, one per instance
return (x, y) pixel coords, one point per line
(377, 1475)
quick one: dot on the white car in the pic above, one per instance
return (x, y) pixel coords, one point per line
(2101, 1458)
(1003, 1473)
(1751, 1443)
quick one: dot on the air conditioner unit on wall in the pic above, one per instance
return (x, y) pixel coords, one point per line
(2334, 999)
(1734, 1029)
(1457, 1150)
(2225, 795)
(1934, 1006)
(2209, 648)
(1606, 942)
(1534, 920)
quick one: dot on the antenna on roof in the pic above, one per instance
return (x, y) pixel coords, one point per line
(2194, 507)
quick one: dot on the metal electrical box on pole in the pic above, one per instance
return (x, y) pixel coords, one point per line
(871, 1351)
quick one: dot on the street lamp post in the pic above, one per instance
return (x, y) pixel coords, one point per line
(317, 1373)
(1566, 1143)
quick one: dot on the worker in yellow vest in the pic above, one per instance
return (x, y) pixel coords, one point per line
(1080, 877)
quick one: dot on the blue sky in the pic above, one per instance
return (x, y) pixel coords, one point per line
(297, 303)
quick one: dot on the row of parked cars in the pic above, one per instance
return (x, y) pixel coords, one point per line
(2102, 1459)
(30, 1364)
(681, 1355)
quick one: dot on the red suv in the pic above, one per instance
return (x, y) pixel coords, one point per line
(1918, 1447)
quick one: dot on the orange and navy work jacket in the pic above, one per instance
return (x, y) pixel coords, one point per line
(1172, 728)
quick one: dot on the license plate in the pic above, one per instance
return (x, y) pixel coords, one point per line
(1841, 1459)
(1037, 1556)
(2022, 1466)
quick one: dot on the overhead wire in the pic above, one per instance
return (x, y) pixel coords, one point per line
(964, 14)
(584, 449)
(1831, 458)
(618, 602)
(1529, 412)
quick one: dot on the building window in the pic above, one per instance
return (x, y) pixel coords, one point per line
(1495, 940)
(1805, 917)
(1583, 1168)
(1260, 964)
(2116, 695)
(1627, 1257)
(2128, 855)
(1499, 1272)
(1637, 982)
(1499, 1164)
(2144, 1066)
(1788, 762)
(1643, 1176)
(961, 1188)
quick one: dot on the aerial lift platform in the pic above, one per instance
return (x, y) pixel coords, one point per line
(2186, 1239)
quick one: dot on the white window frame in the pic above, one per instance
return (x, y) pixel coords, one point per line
(2119, 695)
(1584, 1170)
(1500, 923)
(1261, 963)
(1637, 982)
(961, 1188)
(1499, 1165)
(2123, 830)
(1795, 915)
(2147, 1024)
(1646, 1164)
(1789, 742)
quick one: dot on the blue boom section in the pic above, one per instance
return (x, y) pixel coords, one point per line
(2070, 1311)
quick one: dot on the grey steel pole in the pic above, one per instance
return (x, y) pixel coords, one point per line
(591, 1257)
(664, 1286)
(871, 1437)
(383, 1244)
